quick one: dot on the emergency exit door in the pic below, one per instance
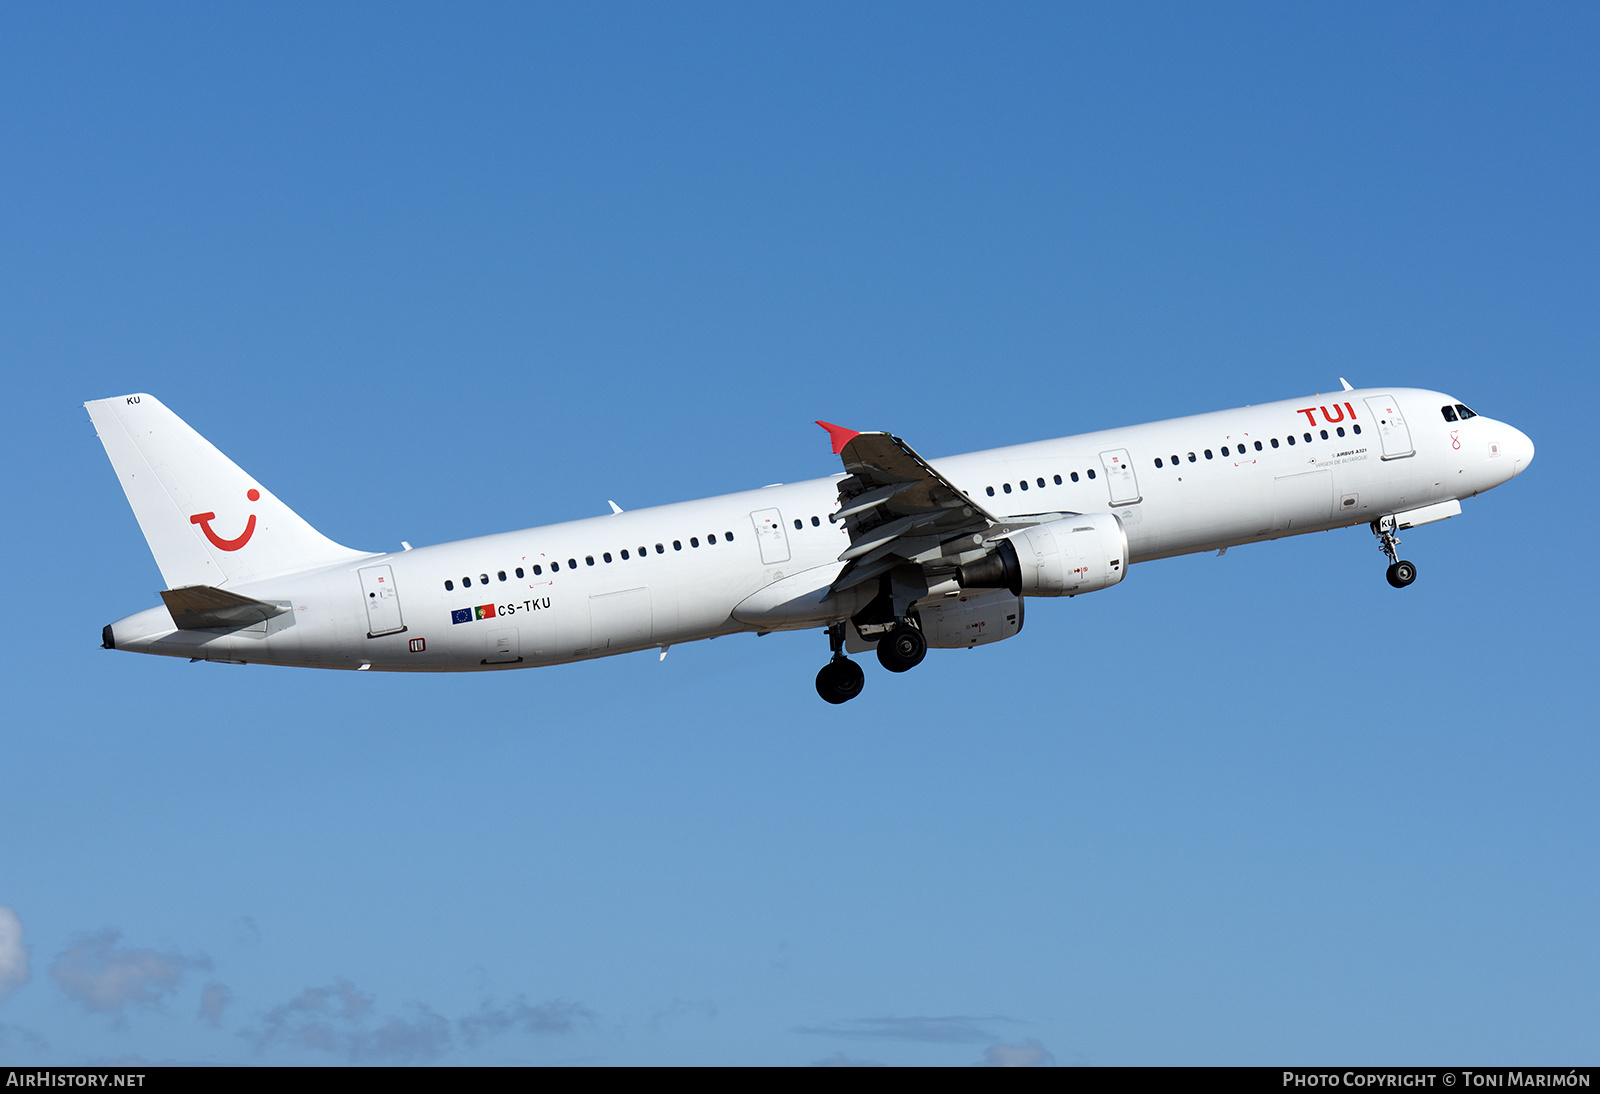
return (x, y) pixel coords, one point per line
(770, 535)
(1120, 479)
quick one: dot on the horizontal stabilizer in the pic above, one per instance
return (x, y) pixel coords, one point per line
(201, 607)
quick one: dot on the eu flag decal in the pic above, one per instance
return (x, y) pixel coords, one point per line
(461, 615)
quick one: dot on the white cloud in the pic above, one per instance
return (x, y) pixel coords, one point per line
(343, 1021)
(683, 1008)
(1028, 1054)
(337, 1020)
(106, 978)
(839, 1059)
(213, 998)
(13, 953)
(520, 1016)
(939, 1029)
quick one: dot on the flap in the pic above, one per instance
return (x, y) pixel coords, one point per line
(895, 506)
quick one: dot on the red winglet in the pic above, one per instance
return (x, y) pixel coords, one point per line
(841, 436)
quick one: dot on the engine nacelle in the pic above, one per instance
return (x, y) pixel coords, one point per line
(1063, 558)
(970, 619)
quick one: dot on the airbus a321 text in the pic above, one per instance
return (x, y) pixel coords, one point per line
(897, 553)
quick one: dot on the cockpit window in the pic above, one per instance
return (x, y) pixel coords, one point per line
(1449, 413)
(1464, 412)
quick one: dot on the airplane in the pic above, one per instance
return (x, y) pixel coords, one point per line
(896, 554)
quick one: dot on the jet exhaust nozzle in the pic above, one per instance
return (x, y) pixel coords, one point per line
(999, 569)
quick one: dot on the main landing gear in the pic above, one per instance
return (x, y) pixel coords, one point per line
(902, 648)
(841, 679)
(1400, 572)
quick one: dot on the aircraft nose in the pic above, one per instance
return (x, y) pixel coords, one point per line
(1521, 452)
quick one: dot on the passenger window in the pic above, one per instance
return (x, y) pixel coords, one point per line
(1308, 438)
(1290, 438)
(643, 552)
(1355, 429)
(1324, 434)
(1340, 431)
(1224, 450)
(1258, 446)
(1449, 413)
(1074, 476)
(729, 535)
(624, 554)
(554, 566)
(796, 524)
(1465, 413)
(1158, 461)
(1174, 461)
(1274, 442)
(1058, 480)
(449, 585)
(484, 578)
(466, 583)
(1208, 453)
(1040, 481)
(1191, 457)
(989, 490)
(588, 560)
(537, 571)
(677, 545)
(1023, 484)
(520, 573)
(1006, 486)
(694, 541)
(660, 550)
(572, 563)
(606, 555)
(502, 575)
(815, 523)
(712, 538)
(1091, 472)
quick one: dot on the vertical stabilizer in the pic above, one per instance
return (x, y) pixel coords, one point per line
(207, 522)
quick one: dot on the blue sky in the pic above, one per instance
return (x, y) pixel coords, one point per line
(431, 275)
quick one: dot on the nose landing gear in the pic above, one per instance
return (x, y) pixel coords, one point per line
(1400, 572)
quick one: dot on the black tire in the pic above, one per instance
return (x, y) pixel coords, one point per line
(1401, 574)
(840, 681)
(902, 649)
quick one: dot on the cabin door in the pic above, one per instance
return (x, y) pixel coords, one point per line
(1392, 430)
(382, 600)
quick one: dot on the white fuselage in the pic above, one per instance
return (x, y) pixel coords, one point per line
(761, 560)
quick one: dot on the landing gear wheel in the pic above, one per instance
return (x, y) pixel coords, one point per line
(902, 648)
(840, 680)
(1401, 574)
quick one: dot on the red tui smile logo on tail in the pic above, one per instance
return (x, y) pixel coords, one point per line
(204, 521)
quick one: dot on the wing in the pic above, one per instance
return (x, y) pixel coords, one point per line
(899, 510)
